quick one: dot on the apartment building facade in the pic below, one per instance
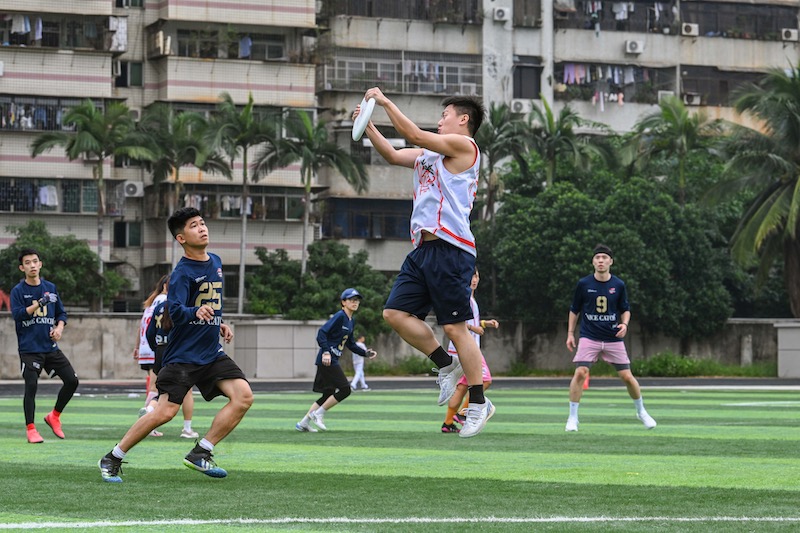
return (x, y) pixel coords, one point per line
(610, 61)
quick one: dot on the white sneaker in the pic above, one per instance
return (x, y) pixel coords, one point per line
(572, 424)
(189, 434)
(646, 419)
(318, 420)
(477, 416)
(448, 379)
(305, 428)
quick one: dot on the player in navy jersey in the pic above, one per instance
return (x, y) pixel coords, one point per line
(437, 273)
(40, 319)
(330, 380)
(601, 303)
(194, 355)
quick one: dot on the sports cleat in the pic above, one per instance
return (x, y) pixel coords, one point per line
(305, 428)
(448, 379)
(34, 437)
(460, 419)
(572, 424)
(646, 419)
(189, 434)
(449, 428)
(155, 433)
(110, 468)
(477, 416)
(55, 425)
(318, 420)
(203, 461)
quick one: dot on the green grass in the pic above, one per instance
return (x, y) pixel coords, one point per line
(716, 455)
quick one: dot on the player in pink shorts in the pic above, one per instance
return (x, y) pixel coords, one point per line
(476, 327)
(601, 303)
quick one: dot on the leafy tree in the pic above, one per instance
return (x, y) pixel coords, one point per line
(67, 262)
(309, 144)
(501, 136)
(331, 269)
(99, 134)
(234, 132)
(672, 259)
(555, 138)
(178, 140)
(767, 161)
(675, 132)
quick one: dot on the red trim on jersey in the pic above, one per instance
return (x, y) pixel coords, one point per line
(459, 239)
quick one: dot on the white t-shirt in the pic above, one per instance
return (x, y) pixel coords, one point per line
(357, 359)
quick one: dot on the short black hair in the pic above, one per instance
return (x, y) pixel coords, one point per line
(602, 249)
(177, 221)
(468, 105)
(28, 251)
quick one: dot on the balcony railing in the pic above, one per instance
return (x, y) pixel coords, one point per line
(450, 11)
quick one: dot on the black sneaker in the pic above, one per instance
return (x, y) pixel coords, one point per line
(202, 461)
(450, 428)
(110, 468)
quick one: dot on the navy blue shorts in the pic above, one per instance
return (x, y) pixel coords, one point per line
(435, 276)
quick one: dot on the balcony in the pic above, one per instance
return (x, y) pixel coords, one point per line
(448, 11)
(615, 47)
(85, 7)
(281, 13)
(187, 79)
(66, 73)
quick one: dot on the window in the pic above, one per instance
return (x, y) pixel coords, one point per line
(366, 219)
(127, 234)
(527, 77)
(130, 75)
(36, 113)
(198, 43)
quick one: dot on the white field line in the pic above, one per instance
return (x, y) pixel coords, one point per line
(410, 520)
(760, 404)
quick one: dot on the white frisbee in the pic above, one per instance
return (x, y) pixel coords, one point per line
(361, 121)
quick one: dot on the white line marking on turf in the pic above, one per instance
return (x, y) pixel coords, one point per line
(410, 520)
(760, 404)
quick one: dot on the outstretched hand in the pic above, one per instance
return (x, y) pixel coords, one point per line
(371, 354)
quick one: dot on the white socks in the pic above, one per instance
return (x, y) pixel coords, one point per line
(573, 409)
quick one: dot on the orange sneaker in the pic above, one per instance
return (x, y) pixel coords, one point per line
(34, 437)
(55, 424)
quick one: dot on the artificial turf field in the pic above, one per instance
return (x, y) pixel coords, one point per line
(719, 460)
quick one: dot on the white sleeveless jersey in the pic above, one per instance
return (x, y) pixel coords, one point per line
(443, 201)
(146, 355)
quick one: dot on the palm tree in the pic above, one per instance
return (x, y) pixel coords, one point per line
(501, 135)
(309, 144)
(178, 140)
(767, 161)
(234, 132)
(554, 138)
(673, 131)
(99, 134)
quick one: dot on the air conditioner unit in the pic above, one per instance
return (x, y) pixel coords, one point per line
(133, 189)
(664, 94)
(468, 88)
(116, 69)
(501, 14)
(634, 47)
(691, 98)
(135, 115)
(520, 106)
(690, 30)
(789, 34)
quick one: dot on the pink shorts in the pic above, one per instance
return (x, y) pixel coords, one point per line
(589, 351)
(487, 376)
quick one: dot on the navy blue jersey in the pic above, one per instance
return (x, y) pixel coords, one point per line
(334, 335)
(155, 334)
(192, 284)
(599, 305)
(33, 331)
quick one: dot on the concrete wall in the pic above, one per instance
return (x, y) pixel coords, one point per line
(100, 346)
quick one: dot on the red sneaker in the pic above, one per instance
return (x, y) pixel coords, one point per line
(55, 424)
(34, 437)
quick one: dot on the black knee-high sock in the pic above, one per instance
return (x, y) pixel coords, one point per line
(476, 394)
(440, 357)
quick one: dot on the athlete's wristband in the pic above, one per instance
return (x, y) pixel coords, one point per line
(483, 324)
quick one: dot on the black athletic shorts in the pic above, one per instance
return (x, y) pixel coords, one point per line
(147, 368)
(176, 379)
(329, 379)
(51, 362)
(159, 358)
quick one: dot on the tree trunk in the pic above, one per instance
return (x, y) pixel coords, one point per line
(306, 209)
(791, 262)
(101, 212)
(243, 244)
(173, 207)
